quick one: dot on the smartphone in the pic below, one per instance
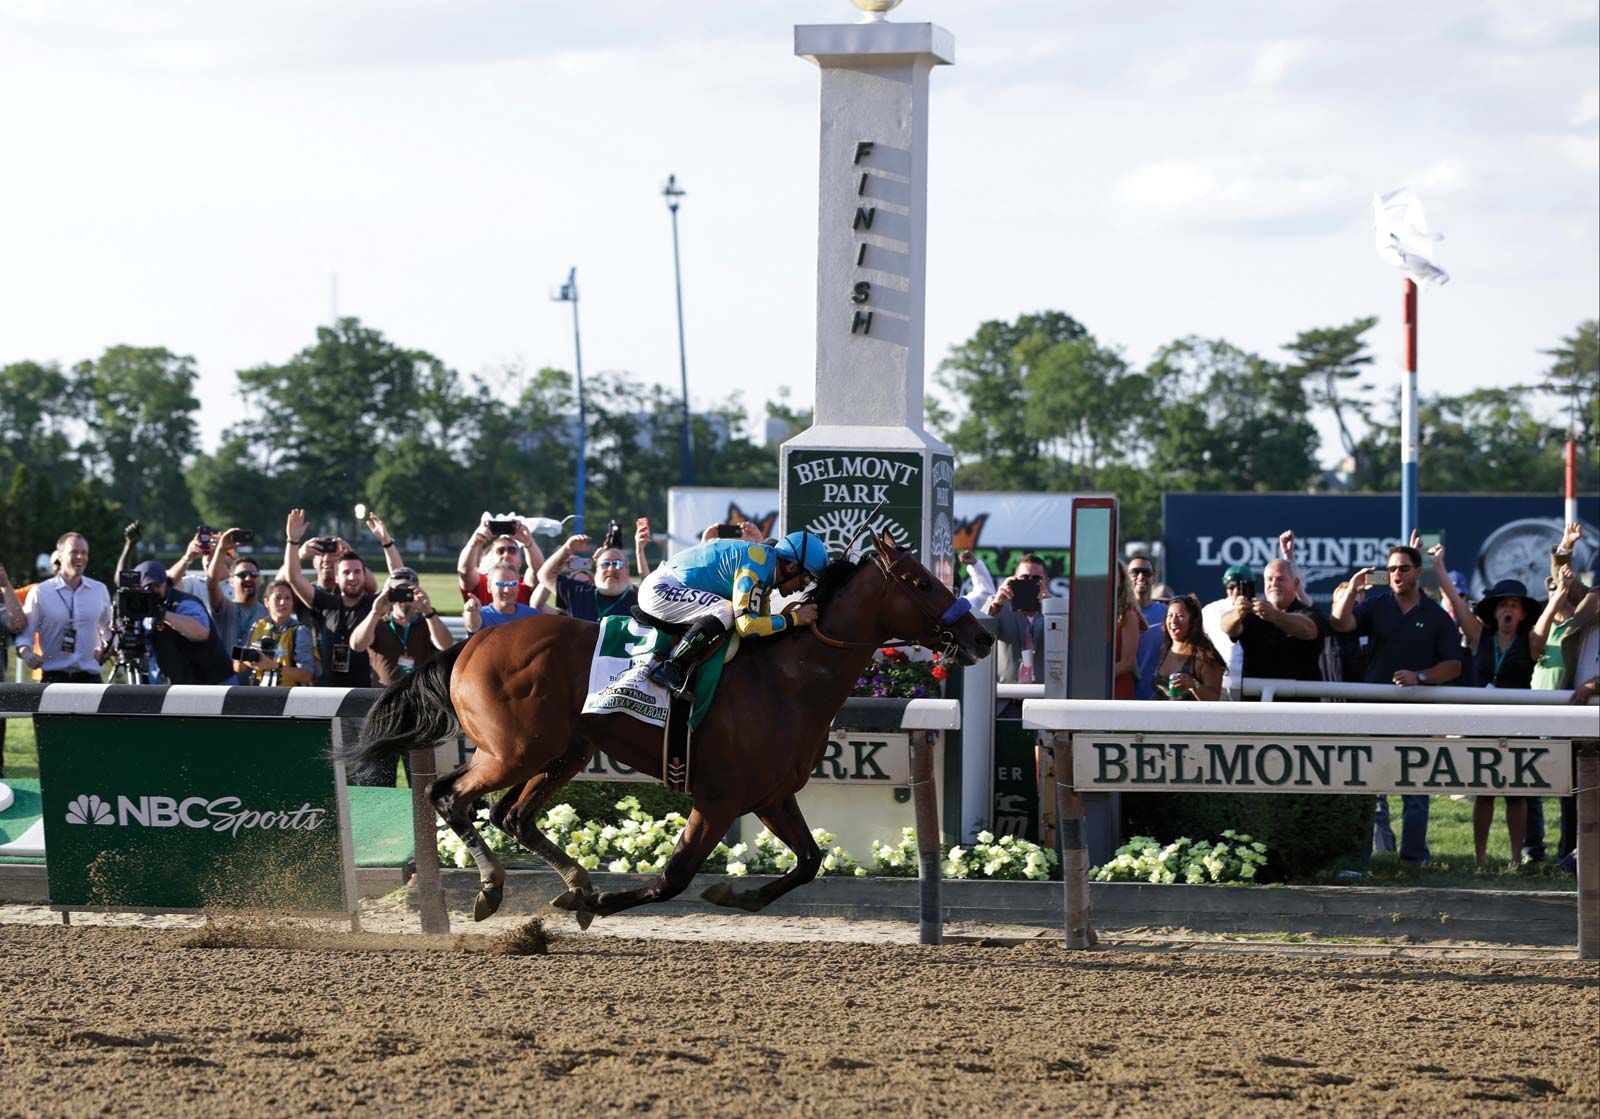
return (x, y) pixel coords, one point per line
(324, 544)
(1025, 594)
(402, 594)
(503, 528)
(580, 563)
(728, 532)
(247, 654)
(244, 536)
(642, 526)
(1247, 588)
(1378, 578)
(203, 533)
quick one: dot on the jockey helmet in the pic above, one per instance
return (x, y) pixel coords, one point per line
(805, 549)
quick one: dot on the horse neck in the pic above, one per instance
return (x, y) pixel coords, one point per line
(830, 671)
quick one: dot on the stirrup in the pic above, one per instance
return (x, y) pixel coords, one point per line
(672, 677)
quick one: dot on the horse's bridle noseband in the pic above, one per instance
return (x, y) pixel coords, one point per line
(898, 574)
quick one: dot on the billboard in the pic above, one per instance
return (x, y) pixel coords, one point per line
(1487, 538)
(998, 527)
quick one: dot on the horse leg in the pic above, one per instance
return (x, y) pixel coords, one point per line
(454, 796)
(707, 825)
(521, 820)
(789, 826)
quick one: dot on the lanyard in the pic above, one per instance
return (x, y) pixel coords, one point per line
(1499, 657)
(405, 637)
(615, 602)
(70, 601)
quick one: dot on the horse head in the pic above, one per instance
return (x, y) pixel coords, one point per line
(905, 603)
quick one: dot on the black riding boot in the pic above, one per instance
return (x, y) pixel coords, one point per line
(674, 672)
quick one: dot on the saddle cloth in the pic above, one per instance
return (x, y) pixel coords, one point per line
(619, 673)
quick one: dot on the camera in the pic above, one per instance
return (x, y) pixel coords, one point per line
(1247, 588)
(133, 532)
(204, 534)
(247, 654)
(402, 593)
(134, 602)
(613, 537)
(1378, 579)
(1025, 593)
(507, 527)
(244, 536)
(325, 545)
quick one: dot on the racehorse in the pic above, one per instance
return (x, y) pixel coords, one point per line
(517, 691)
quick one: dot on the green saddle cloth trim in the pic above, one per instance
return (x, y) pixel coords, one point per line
(705, 681)
(624, 638)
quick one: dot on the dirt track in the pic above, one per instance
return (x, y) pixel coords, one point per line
(137, 1022)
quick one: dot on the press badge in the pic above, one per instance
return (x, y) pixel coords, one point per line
(69, 640)
(341, 657)
(406, 665)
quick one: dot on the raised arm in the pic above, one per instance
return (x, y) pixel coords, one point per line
(217, 567)
(1470, 625)
(391, 553)
(294, 536)
(558, 559)
(471, 553)
(1343, 617)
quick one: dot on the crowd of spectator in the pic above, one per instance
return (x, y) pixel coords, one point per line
(1382, 628)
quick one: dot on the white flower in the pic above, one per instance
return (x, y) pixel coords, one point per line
(986, 837)
(955, 854)
(737, 869)
(861, 872)
(618, 866)
(589, 862)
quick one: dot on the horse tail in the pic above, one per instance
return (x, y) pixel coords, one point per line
(411, 714)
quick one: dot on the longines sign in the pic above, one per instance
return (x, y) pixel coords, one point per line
(1330, 764)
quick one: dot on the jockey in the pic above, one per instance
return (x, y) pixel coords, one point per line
(725, 583)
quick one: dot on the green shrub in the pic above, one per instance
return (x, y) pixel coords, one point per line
(596, 801)
(1304, 833)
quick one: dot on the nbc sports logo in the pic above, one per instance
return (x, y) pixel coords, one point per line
(89, 809)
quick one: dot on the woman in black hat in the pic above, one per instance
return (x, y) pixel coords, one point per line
(1505, 660)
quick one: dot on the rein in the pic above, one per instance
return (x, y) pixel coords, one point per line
(898, 575)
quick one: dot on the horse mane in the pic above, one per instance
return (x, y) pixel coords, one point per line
(831, 581)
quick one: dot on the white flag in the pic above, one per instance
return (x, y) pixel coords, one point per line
(1402, 236)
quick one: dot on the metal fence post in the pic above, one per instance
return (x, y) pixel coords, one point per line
(1588, 791)
(1074, 848)
(925, 800)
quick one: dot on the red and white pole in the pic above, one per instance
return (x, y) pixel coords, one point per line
(1570, 514)
(1408, 421)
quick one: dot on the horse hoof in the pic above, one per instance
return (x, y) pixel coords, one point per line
(578, 903)
(487, 901)
(720, 894)
(584, 917)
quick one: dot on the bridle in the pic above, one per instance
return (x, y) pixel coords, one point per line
(899, 574)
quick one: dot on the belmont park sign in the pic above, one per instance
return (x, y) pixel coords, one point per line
(1325, 764)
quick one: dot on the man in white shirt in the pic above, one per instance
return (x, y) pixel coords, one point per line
(1238, 586)
(71, 615)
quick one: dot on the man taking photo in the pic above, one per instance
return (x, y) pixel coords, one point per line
(612, 592)
(336, 614)
(185, 646)
(1281, 635)
(403, 631)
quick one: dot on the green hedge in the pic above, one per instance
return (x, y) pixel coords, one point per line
(1303, 833)
(597, 800)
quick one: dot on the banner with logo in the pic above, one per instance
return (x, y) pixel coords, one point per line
(202, 813)
(1485, 538)
(998, 527)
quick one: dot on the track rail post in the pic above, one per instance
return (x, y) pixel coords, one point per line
(1588, 791)
(925, 800)
(1072, 825)
(429, 886)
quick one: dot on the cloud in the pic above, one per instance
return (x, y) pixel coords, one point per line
(1448, 176)
(1588, 109)
(1241, 194)
(1583, 152)
(1276, 59)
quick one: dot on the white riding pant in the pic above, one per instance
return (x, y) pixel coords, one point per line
(663, 596)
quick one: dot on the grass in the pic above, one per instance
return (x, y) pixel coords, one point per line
(443, 591)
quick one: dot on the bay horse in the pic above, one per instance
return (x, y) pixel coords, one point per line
(517, 691)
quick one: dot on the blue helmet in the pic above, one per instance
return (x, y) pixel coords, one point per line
(805, 549)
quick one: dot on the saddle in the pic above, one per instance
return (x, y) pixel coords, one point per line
(677, 738)
(644, 618)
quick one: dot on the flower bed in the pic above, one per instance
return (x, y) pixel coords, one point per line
(893, 673)
(1234, 858)
(641, 844)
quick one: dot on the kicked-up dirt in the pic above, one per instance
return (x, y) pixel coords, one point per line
(270, 1022)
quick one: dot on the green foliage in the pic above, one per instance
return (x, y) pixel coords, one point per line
(141, 421)
(35, 511)
(1484, 441)
(1302, 833)
(596, 801)
(1329, 358)
(34, 412)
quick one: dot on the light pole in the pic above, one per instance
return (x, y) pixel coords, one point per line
(568, 293)
(672, 192)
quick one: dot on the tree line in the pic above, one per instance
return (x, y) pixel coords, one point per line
(1034, 404)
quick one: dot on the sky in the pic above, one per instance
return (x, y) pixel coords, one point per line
(190, 174)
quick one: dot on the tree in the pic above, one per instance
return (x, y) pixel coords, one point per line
(141, 420)
(1484, 441)
(1574, 380)
(232, 488)
(323, 415)
(1328, 358)
(1221, 418)
(34, 414)
(35, 511)
(419, 489)
(988, 427)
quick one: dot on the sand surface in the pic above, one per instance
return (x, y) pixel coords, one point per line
(137, 1016)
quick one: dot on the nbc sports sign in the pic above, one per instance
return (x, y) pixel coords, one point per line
(206, 813)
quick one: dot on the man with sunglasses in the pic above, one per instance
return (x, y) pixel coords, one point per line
(236, 604)
(1142, 574)
(1411, 640)
(502, 607)
(611, 592)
